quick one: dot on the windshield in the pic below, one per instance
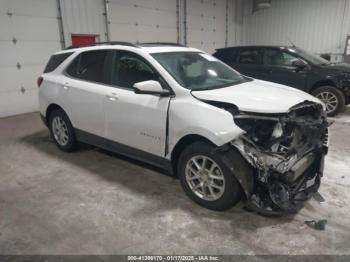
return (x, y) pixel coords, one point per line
(198, 71)
(317, 60)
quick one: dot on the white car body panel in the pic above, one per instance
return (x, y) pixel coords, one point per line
(189, 116)
(136, 120)
(85, 104)
(49, 93)
(142, 124)
(150, 122)
(149, 86)
(258, 96)
(82, 101)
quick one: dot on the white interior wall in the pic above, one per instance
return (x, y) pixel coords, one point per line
(206, 24)
(158, 21)
(207, 21)
(319, 26)
(143, 21)
(33, 25)
(83, 17)
(235, 22)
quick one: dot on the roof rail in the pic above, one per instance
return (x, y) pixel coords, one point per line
(128, 44)
(70, 47)
(116, 43)
(104, 43)
(160, 43)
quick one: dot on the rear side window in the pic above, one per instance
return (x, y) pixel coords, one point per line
(55, 61)
(89, 66)
(250, 57)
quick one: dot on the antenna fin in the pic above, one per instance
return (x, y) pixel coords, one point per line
(290, 41)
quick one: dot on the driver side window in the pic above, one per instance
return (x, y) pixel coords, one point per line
(130, 68)
(278, 58)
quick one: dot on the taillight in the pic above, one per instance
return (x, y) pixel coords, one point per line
(39, 81)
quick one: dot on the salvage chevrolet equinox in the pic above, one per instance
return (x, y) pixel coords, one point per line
(226, 136)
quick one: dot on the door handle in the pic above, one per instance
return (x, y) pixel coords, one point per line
(66, 86)
(112, 96)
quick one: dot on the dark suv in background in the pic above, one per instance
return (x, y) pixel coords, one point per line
(293, 67)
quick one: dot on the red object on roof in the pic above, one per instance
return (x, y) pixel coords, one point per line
(83, 40)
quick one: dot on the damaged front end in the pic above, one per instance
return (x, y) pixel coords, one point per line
(287, 152)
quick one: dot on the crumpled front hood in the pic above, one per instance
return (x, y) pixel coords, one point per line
(258, 96)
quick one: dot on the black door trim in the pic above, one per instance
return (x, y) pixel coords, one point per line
(128, 151)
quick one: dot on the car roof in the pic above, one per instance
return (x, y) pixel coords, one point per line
(146, 48)
(256, 46)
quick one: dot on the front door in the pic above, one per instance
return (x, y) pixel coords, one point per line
(278, 68)
(135, 120)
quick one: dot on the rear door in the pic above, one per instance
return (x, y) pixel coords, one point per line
(278, 68)
(84, 90)
(135, 120)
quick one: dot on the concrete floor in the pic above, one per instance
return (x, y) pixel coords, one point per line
(95, 202)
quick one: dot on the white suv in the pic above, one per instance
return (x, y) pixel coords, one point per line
(226, 136)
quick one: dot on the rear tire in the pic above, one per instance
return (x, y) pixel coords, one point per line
(225, 190)
(62, 131)
(333, 98)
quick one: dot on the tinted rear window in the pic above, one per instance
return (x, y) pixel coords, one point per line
(89, 66)
(55, 61)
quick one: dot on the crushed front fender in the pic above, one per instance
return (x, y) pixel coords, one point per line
(287, 158)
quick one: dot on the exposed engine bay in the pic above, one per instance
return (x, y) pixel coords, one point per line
(287, 152)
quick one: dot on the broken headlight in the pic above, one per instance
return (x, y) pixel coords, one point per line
(267, 133)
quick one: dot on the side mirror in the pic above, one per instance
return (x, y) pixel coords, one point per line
(150, 87)
(299, 63)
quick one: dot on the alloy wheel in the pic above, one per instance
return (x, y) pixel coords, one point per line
(205, 178)
(60, 131)
(330, 100)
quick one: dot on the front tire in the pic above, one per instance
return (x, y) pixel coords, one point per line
(333, 99)
(62, 131)
(206, 179)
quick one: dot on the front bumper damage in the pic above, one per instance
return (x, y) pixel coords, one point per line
(275, 192)
(287, 160)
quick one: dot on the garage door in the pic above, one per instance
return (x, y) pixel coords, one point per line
(29, 33)
(83, 18)
(143, 21)
(206, 24)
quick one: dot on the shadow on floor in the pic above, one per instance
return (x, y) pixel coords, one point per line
(156, 185)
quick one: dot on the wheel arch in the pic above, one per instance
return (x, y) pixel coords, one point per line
(325, 82)
(242, 170)
(184, 142)
(50, 109)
